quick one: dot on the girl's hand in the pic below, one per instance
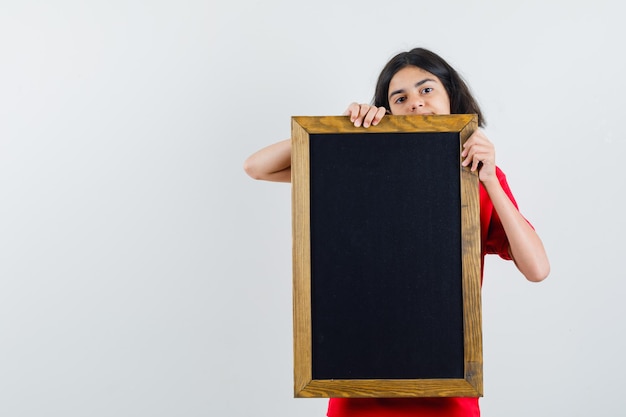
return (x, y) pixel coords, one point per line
(364, 114)
(480, 154)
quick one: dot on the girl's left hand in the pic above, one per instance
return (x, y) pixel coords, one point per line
(364, 114)
(480, 154)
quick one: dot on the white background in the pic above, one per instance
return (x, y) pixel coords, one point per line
(142, 273)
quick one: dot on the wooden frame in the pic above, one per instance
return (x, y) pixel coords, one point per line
(470, 383)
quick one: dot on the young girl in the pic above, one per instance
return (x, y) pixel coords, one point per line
(420, 82)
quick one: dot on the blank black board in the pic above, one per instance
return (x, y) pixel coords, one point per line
(382, 225)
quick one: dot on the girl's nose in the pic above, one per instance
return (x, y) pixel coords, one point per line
(416, 104)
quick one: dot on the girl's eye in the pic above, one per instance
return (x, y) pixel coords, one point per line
(400, 100)
(427, 90)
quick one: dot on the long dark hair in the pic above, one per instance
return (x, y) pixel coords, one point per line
(461, 99)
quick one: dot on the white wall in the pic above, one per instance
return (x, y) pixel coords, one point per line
(141, 271)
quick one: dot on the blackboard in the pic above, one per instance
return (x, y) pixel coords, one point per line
(386, 259)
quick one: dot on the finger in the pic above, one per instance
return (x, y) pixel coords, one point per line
(475, 164)
(380, 113)
(352, 111)
(361, 113)
(363, 110)
(467, 147)
(468, 154)
(374, 116)
(369, 116)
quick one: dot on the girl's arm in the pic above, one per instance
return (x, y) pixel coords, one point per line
(526, 247)
(272, 163)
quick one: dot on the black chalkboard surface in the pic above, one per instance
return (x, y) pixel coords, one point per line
(386, 259)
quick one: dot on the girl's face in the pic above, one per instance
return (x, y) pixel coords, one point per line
(415, 91)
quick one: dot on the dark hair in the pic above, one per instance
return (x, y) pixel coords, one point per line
(461, 99)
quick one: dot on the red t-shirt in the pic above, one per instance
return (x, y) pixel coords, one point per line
(493, 241)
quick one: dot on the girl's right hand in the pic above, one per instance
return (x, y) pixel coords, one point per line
(364, 114)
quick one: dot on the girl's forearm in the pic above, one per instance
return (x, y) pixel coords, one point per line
(526, 248)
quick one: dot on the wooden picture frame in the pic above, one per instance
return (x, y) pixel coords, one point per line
(386, 258)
